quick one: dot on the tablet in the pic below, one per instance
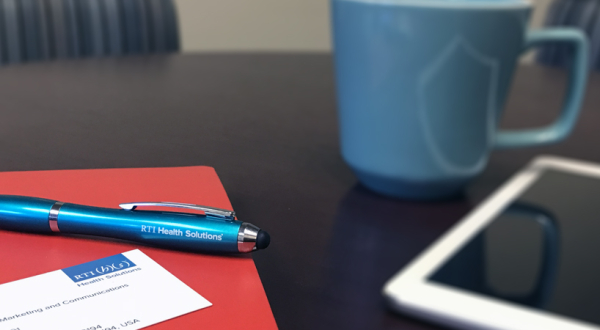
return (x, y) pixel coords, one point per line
(527, 258)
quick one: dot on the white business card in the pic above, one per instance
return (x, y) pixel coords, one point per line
(126, 290)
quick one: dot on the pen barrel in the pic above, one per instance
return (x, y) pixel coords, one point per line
(28, 214)
(165, 229)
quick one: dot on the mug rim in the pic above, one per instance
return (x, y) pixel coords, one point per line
(461, 4)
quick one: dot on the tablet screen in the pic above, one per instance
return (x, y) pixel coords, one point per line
(543, 251)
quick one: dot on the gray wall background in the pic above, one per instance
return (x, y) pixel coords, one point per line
(267, 25)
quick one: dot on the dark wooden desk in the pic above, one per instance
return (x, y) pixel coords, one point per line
(267, 123)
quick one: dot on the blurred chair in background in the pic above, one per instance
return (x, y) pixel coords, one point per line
(36, 30)
(582, 14)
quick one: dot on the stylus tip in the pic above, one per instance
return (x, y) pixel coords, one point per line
(262, 240)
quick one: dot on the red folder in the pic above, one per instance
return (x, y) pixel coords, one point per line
(231, 283)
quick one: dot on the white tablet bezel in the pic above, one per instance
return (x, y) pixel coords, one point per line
(409, 291)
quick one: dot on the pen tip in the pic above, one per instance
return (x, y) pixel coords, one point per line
(262, 240)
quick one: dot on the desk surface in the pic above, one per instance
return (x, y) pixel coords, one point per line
(267, 123)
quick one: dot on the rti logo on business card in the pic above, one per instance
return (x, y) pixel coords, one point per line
(98, 267)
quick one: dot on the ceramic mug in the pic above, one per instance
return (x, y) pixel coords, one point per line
(421, 85)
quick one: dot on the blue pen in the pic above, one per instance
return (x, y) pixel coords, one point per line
(216, 231)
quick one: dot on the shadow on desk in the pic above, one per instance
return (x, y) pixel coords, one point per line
(373, 238)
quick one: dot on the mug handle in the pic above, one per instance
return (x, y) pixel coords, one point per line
(561, 128)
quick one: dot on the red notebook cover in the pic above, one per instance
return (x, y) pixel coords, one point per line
(231, 283)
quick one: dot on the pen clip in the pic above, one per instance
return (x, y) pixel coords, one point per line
(209, 211)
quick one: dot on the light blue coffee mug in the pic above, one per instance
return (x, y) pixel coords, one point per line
(421, 86)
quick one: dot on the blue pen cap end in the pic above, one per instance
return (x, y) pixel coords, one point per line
(22, 213)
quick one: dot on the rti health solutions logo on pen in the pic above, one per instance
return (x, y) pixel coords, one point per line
(98, 267)
(178, 232)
